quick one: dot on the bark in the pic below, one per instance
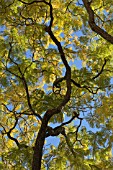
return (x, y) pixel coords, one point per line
(38, 149)
(93, 25)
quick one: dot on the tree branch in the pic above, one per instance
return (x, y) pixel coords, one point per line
(59, 129)
(23, 80)
(28, 98)
(36, 164)
(102, 69)
(78, 129)
(93, 25)
(9, 132)
(69, 144)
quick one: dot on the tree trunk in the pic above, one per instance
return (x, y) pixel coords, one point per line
(38, 149)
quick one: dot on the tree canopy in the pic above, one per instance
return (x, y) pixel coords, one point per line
(56, 80)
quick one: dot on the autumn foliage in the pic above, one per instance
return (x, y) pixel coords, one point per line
(56, 81)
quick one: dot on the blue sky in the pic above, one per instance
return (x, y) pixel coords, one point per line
(78, 64)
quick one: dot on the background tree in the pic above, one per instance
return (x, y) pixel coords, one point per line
(46, 93)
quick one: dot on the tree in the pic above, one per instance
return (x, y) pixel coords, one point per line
(44, 93)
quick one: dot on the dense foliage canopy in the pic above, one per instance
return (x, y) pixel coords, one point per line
(56, 81)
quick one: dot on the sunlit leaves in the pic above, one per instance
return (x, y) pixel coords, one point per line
(29, 65)
(18, 159)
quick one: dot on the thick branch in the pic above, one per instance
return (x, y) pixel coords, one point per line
(38, 149)
(93, 25)
(59, 129)
(54, 131)
(59, 47)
